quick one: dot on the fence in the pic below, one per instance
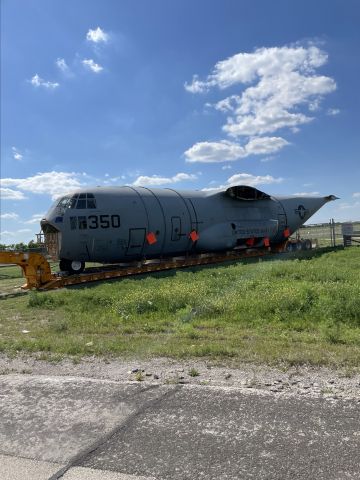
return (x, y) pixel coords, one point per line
(330, 234)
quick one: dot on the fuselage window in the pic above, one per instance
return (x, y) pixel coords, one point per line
(82, 223)
(73, 223)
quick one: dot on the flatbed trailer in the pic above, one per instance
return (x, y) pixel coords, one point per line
(38, 273)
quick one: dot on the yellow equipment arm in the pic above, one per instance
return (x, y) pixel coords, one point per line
(34, 265)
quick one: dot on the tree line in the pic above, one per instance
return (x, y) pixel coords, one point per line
(24, 247)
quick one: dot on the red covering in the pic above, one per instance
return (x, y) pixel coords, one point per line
(250, 242)
(194, 235)
(266, 242)
(287, 233)
(151, 238)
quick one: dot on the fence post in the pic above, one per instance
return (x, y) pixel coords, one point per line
(332, 236)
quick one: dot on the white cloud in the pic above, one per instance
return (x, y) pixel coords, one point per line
(62, 65)
(264, 145)
(35, 218)
(91, 65)
(196, 86)
(9, 216)
(37, 81)
(356, 195)
(333, 111)
(116, 179)
(246, 179)
(97, 36)
(224, 151)
(268, 159)
(16, 154)
(275, 83)
(226, 167)
(6, 233)
(306, 194)
(157, 180)
(10, 194)
(350, 206)
(50, 183)
(214, 152)
(253, 180)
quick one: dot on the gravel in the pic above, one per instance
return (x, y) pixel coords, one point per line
(299, 380)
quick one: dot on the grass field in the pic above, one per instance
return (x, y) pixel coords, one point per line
(279, 311)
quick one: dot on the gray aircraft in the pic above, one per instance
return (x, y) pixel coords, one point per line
(120, 224)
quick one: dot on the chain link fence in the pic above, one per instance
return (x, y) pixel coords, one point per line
(330, 234)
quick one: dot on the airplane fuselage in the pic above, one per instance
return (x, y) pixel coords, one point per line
(117, 224)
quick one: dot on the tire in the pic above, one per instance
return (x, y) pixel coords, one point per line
(298, 246)
(73, 267)
(289, 247)
(307, 245)
(64, 265)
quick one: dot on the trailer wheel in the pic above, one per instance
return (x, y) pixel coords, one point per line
(298, 246)
(64, 265)
(72, 266)
(307, 245)
(289, 247)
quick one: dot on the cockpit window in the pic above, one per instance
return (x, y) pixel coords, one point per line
(81, 203)
(72, 202)
(79, 200)
(64, 202)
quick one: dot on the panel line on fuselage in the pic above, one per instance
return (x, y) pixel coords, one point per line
(164, 218)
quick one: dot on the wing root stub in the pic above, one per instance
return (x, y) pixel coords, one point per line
(244, 192)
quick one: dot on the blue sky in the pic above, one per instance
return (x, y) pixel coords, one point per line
(182, 94)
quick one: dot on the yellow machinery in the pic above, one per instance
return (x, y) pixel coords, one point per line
(35, 267)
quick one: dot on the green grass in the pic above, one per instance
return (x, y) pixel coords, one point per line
(273, 311)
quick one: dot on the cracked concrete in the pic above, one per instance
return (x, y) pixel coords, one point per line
(74, 427)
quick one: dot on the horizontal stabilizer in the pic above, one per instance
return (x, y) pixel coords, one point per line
(330, 198)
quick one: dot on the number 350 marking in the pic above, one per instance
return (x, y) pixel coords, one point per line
(104, 221)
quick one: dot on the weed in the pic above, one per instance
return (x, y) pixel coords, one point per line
(193, 372)
(60, 326)
(172, 380)
(139, 376)
(327, 391)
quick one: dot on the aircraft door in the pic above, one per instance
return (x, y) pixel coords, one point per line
(136, 241)
(282, 222)
(176, 229)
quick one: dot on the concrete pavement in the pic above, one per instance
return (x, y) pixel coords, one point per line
(80, 428)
